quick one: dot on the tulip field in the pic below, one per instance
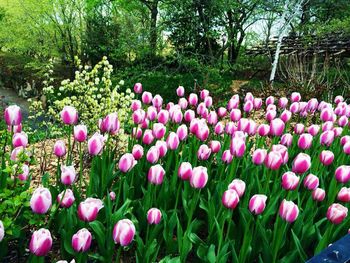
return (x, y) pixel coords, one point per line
(243, 180)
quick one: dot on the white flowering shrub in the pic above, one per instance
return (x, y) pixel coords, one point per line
(91, 92)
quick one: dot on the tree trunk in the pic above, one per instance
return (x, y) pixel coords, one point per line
(153, 28)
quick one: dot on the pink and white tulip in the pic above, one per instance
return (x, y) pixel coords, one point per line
(124, 232)
(88, 209)
(40, 242)
(154, 215)
(41, 200)
(288, 211)
(257, 204)
(81, 241)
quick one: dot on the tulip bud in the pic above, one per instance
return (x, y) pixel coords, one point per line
(230, 199)
(137, 151)
(301, 163)
(69, 115)
(124, 232)
(136, 132)
(285, 116)
(277, 127)
(156, 174)
(41, 200)
(41, 242)
(68, 174)
(326, 157)
(344, 195)
(290, 181)
(180, 91)
(288, 211)
(199, 177)
(2, 231)
(270, 115)
(215, 146)
(212, 118)
(294, 107)
(59, 148)
(227, 157)
(248, 106)
(189, 115)
(259, 156)
(66, 198)
(80, 133)
(81, 241)
(13, 115)
(313, 129)
(159, 130)
(203, 94)
(230, 128)
(88, 209)
(183, 103)
(135, 105)
(342, 174)
(126, 162)
(346, 148)
(238, 185)
(138, 116)
(20, 139)
(311, 182)
(299, 128)
(327, 114)
(111, 124)
(152, 154)
(185, 171)
(222, 112)
(208, 101)
(203, 152)
(202, 132)
(257, 103)
(219, 128)
(138, 88)
(146, 97)
(343, 121)
(283, 102)
(257, 204)
(96, 144)
(270, 100)
(23, 176)
(154, 215)
(344, 140)
(336, 213)
(273, 160)
(182, 132)
(305, 141)
(338, 99)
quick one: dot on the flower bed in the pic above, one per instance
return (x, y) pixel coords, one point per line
(198, 183)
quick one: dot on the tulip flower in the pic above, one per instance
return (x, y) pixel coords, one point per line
(290, 181)
(203, 152)
(238, 185)
(41, 242)
(285, 116)
(96, 144)
(286, 139)
(68, 174)
(163, 116)
(215, 146)
(138, 88)
(152, 113)
(182, 132)
(2, 231)
(156, 174)
(318, 194)
(343, 121)
(270, 115)
(248, 97)
(242, 124)
(59, 148)
(222, 112)
(13, 115)
(189, 115)
(271, 107)
(203, 94)
(327, 126)
(277, 127)
(138, 116)
(199, 177)
(80, 133)
(295, 97)
(346, 148)
(235, 115)
(313, 129)
(137, 151)
(230, 199)
(162, 148)
(193, 99)
(111, 124)
(157, 101)
(257, 103)
(20, 139)
(152, 154)
(23, 176)
(326, 114)
(283, 102)
(154, 215)
(69, 115)
(305, 141)
(124, 232)
(227, 157)
(299, 128)
(185, 171)
(172, 141)
(301, 163)
(311, 182)
(202, 132)
(180, 91)
(41, 200)
(336, 213)
(17, 153)
(326, 157)
(273, 160)
(344, 139)
(88, 209)
(259, 156)
(66, 198)
(344, 195)
(237, 147)
(147, 97)
(136, 132)
(135, 105)
(183, 103)
(126, 162)
(263, 129)
(158, 130)
(288, 211)
(81, 241)
(248, 106)
(257, 204)
(342, 174)
(208, 101)
(338, 99)
(294, 107)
